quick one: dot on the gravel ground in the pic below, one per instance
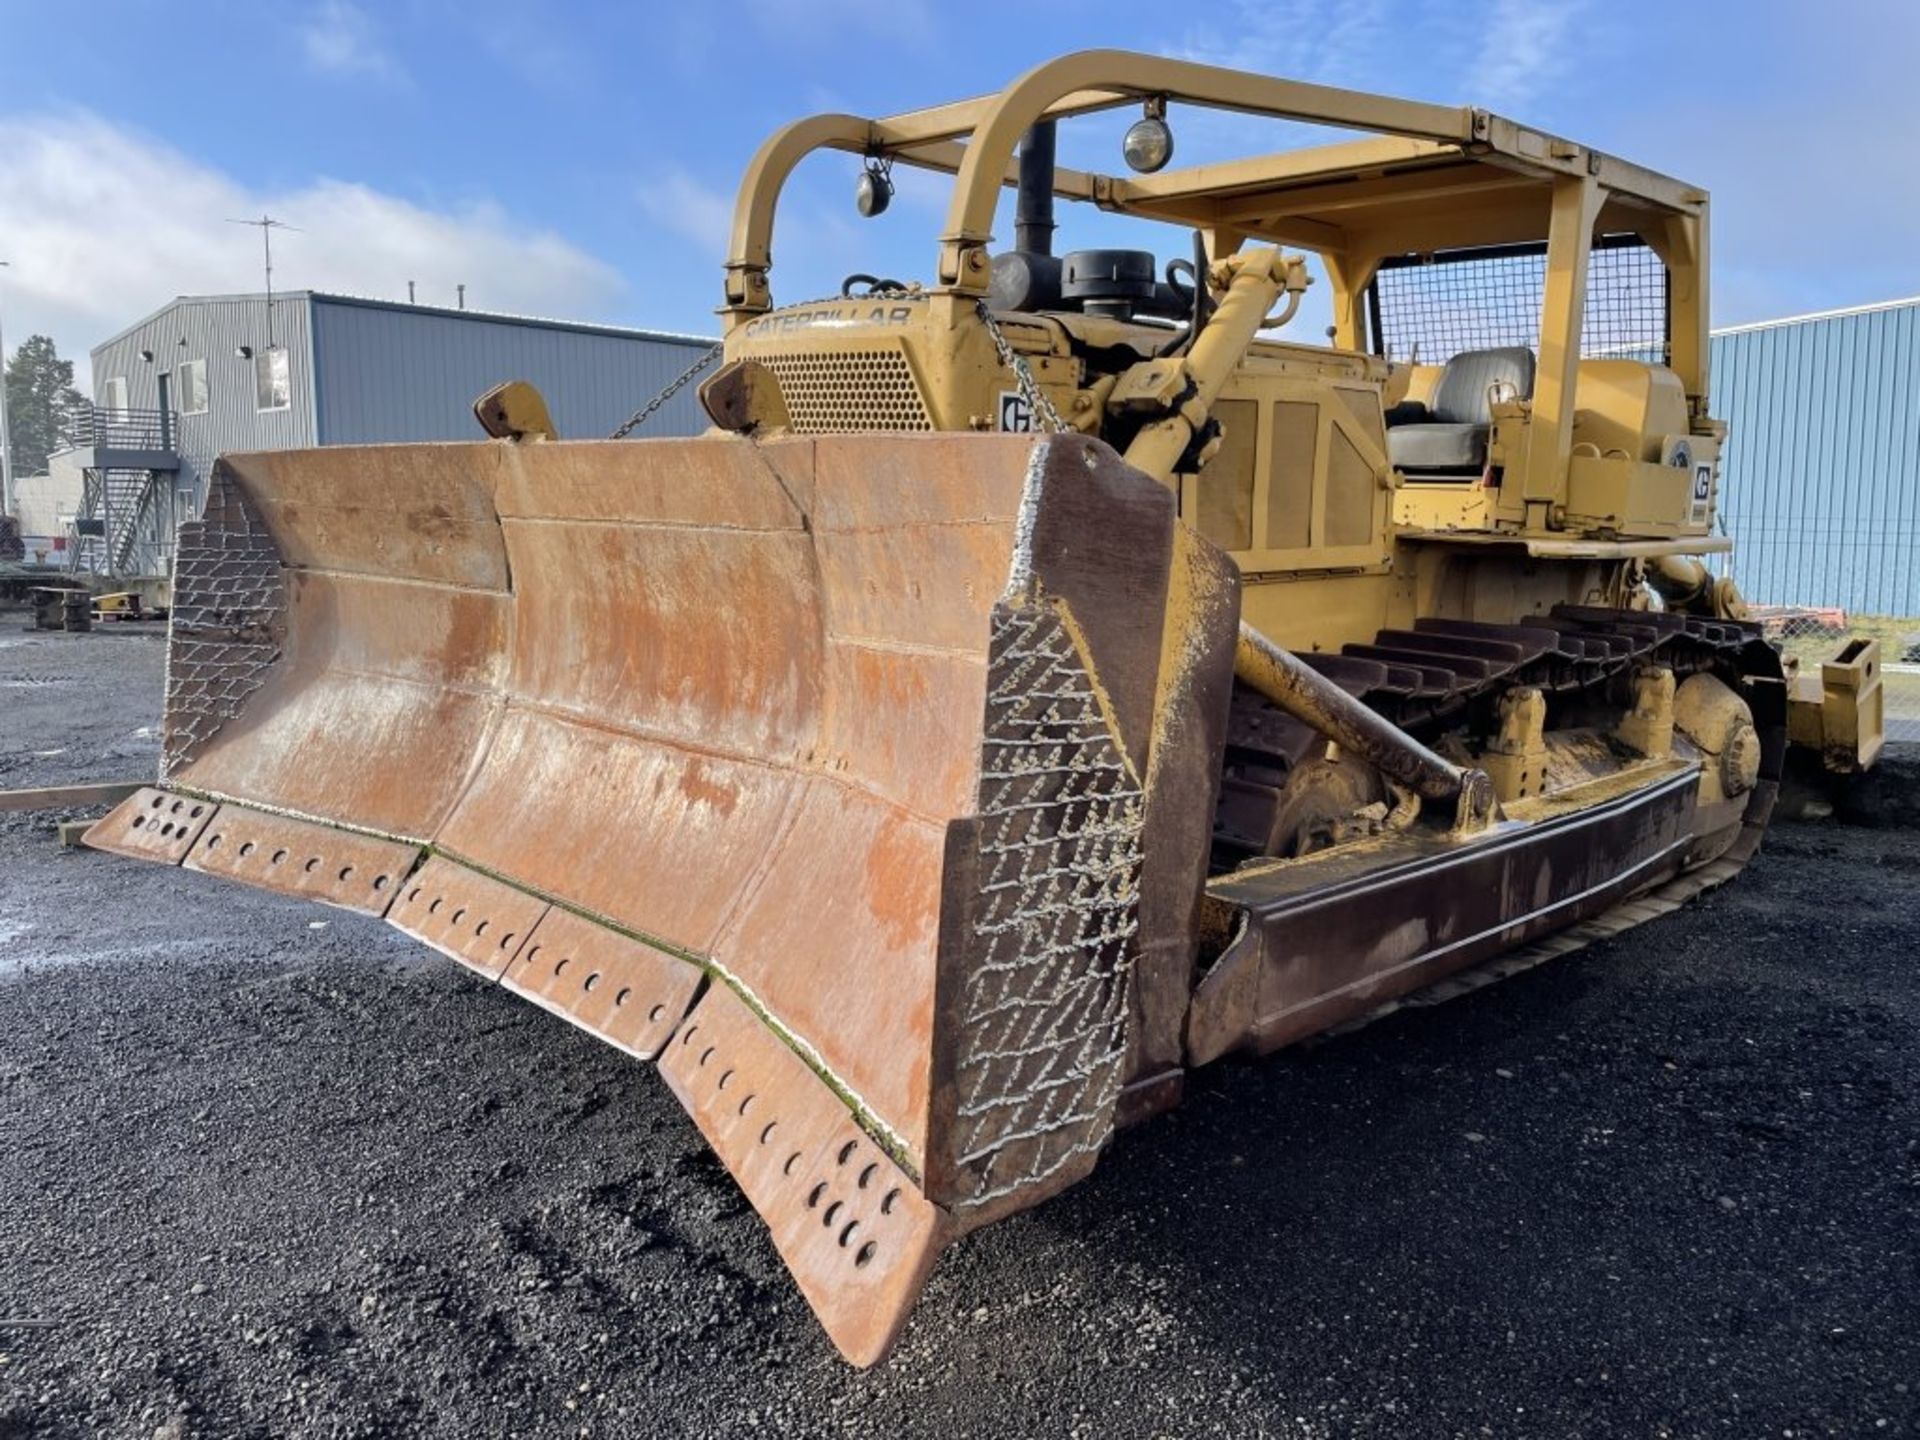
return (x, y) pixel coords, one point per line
(267, 1169)
(75, 708)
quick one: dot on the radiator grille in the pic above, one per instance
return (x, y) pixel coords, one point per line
(849, 390)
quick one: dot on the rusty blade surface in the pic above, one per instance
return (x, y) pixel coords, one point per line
(852, 1226)
(152, 824)
(627, 992)
(299, 857)
(821, 656)
(858, 724)
(782, 706)
(338, 632)
(472, 917)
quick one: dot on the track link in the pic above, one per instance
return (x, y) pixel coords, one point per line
(1439, 673)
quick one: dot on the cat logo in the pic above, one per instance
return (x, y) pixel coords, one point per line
(1016, 414)
(1702, 499)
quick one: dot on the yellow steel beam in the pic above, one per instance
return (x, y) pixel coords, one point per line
(1225, 197)
(1267, 172)
(750, 251)
(947, 122)
(1535, 152)
(1576, 549)
(1576, 205)
(996, 132)
(1624, 178)
(1491, 219)
(946, 156)
(1307, 234)
(1349, 276)
(1386, 192)
(1681, 242)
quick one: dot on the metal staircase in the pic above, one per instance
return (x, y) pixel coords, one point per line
(135, 522)
(126, 521)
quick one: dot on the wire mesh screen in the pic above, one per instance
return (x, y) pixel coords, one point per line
(1431, 308)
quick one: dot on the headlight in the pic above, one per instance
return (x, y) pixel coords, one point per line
(1148, 145)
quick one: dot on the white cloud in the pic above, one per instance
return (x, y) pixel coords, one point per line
(103, 225)
(1529, 45)
(691, 209)
(817, 237)
(1330, 42)
(1514, 51)
(1325, 42)
(340, 39)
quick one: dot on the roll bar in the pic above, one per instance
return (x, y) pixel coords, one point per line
(1076, 84)
(1669, 214)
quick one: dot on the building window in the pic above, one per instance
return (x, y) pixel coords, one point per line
(113, 394)
(273, 383)
(192, 380)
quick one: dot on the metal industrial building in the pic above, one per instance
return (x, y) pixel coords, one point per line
(209, 374)
(1820, 487)
(1820, 484)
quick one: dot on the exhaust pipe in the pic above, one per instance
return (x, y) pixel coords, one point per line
(1028, 276)
(1033, 211)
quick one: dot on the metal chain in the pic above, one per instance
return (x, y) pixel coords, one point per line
(1030, 390)
(641, 416)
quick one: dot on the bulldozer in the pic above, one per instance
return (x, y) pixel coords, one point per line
(1045, 677)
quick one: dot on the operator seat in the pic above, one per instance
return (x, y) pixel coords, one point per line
(1449, 437)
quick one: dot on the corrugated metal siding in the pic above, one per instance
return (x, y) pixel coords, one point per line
(1821, 483)
(389, 374)
(213, 330)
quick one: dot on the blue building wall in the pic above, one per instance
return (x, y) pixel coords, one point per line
(1820, 486)
(211, 330)
(385, 372)
(376, 371)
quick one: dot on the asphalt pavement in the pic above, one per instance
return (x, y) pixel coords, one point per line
(272, 1169)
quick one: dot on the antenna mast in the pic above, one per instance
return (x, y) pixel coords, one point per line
(266, 224)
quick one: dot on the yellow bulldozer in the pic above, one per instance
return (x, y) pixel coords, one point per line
(1042, 679)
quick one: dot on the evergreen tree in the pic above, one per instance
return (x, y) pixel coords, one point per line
(41, 403)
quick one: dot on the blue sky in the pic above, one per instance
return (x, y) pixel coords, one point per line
(579, 159)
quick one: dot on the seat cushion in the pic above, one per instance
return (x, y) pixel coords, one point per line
(1461, 394)
(1438, 447)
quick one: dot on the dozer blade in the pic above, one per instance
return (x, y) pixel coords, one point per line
(829, 771)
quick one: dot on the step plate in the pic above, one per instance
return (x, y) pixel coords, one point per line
(621, 989)
(472, 917)
(152, 824)
(852, 1226)
(300, 857)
